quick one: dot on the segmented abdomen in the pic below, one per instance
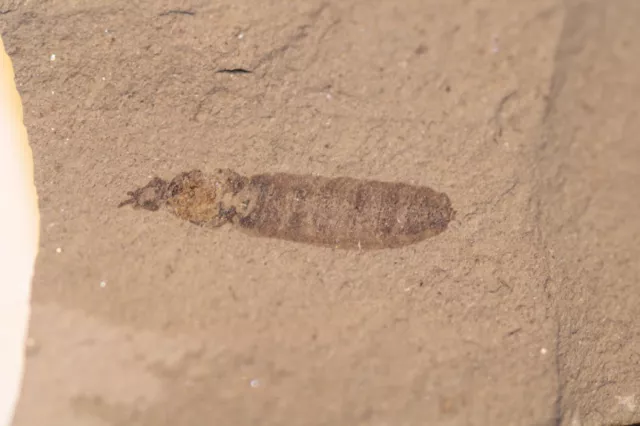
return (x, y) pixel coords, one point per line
(345, 212)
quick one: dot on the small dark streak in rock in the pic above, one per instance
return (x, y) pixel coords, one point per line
(178, 12)
(497, 116)
(234, 296)
(502, 284)
(515, 331)
(421, 49)
(233, 71)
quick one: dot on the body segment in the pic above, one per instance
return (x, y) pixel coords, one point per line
(344, 212)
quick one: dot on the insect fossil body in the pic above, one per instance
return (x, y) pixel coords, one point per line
(340, 212)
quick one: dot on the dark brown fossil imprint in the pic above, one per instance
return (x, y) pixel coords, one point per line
(339, 212)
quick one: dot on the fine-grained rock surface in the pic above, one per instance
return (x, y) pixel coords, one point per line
(523, 312)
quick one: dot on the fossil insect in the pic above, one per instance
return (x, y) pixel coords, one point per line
(339, 212)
